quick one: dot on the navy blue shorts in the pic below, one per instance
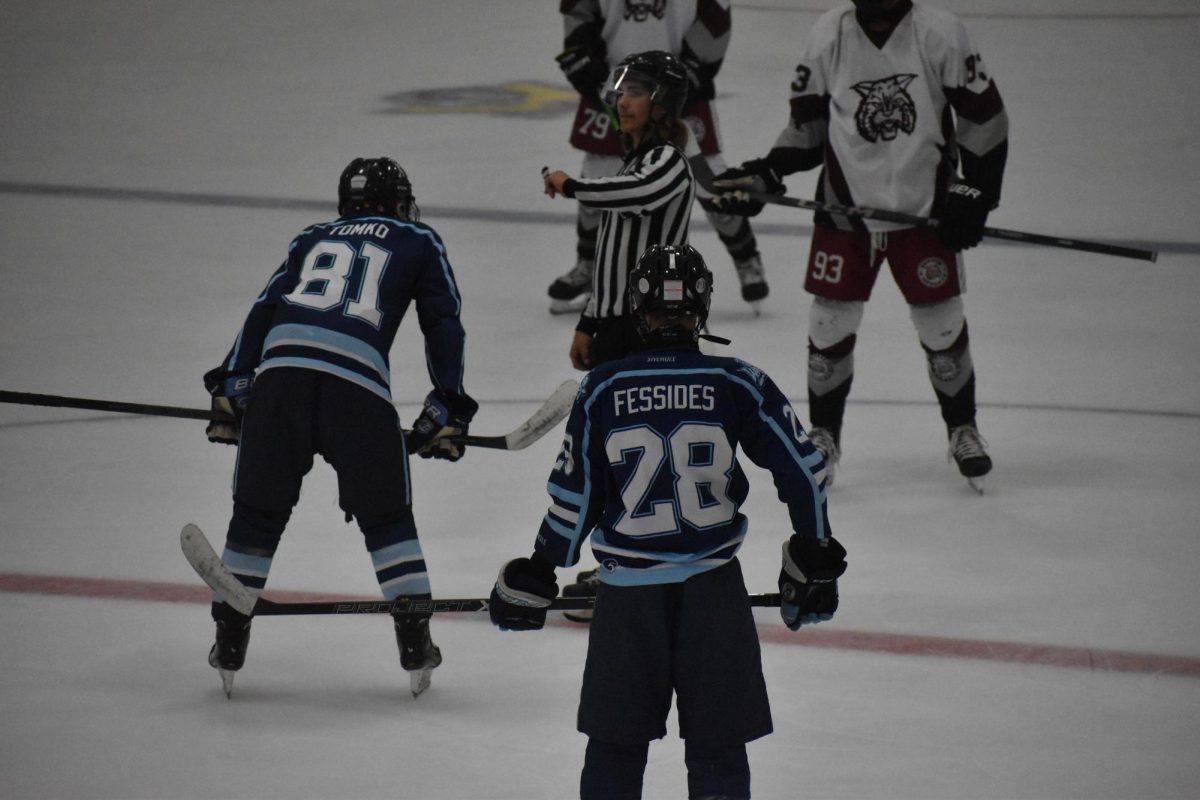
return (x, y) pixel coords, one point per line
(695, 640)
(295, 414)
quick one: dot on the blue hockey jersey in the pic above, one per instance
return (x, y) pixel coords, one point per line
(649, 466)
(335, 303)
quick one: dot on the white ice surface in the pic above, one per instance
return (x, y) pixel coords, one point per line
(130, 280)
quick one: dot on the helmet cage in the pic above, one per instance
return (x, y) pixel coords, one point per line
(377, 185)
(673, 279)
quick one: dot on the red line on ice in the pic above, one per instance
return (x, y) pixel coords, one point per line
(828, 637)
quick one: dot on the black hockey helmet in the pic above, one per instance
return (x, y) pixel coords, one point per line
(674, 279)
(658, 72)
(378, 185)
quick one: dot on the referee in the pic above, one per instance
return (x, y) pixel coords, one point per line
(647, 202)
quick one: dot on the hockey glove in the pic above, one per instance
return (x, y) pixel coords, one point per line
(700, 83)
(962, 216)
(231, 396)
(586, 72)
(522, 593)
(734, 184)
(445, 414)
(808, 591)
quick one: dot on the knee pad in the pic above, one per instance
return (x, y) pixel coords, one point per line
(951, 368)
(832, 321)
(939, 324)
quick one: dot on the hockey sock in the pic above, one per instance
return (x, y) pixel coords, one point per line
(830, 374)
(397, 557)
(250, 547)
(613, 771)
(717, 771)
(952, 374)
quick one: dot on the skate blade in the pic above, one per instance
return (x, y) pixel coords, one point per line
(976, 484)
(756, 307)
(569, 306)
(227, 682)
(582, 615)
(419, 680)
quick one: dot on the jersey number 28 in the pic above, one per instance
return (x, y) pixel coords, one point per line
(700, 459)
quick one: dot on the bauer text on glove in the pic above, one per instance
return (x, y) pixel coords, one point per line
(444, 415)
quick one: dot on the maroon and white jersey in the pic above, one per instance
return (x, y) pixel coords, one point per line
(697, 29)
(890, 120)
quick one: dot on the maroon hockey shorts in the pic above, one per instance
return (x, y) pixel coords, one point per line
(843, 265)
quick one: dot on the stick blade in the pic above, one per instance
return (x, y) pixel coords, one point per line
(552, 412)
(208, 565)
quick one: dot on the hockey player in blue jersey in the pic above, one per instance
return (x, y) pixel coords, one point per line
(649, 470)
(309, 374)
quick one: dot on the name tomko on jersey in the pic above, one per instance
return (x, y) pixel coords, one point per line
(649, 466)
(336, 302)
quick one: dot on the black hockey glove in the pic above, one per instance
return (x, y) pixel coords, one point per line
(445, 414)
(808, 591)
(754, 175)
(230, 395)
(522, 593)
(700, 82)
(962, 216)
(586, 72)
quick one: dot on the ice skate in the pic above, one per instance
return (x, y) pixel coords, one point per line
(585, 585)
(570, 292)
(969, 451)
(419, 656)
(826, 444)
(228, 652)
(754, 282)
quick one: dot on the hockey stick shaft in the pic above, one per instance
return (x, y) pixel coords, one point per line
(208, 565)
(118, 406)
(270, 608)
(552, 410)
(706, 179)
(1083, 245)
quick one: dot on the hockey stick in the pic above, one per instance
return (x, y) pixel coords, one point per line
(553, 410)
(208, 565)
(58, 401)
(996, 233)
(706, 179)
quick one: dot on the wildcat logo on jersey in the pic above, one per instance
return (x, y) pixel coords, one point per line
(886, 108)
(641, 11)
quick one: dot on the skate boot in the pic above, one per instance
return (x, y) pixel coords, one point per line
(569, 292)
(585, 585)
(418, 654)
(228, 652)
(826, 443)
(753, 280)
(969, 451)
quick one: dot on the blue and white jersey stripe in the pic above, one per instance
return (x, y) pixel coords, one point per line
(336, 302)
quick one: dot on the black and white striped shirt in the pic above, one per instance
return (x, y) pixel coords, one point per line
(649, 201)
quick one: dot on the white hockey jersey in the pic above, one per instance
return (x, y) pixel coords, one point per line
(881, 117)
